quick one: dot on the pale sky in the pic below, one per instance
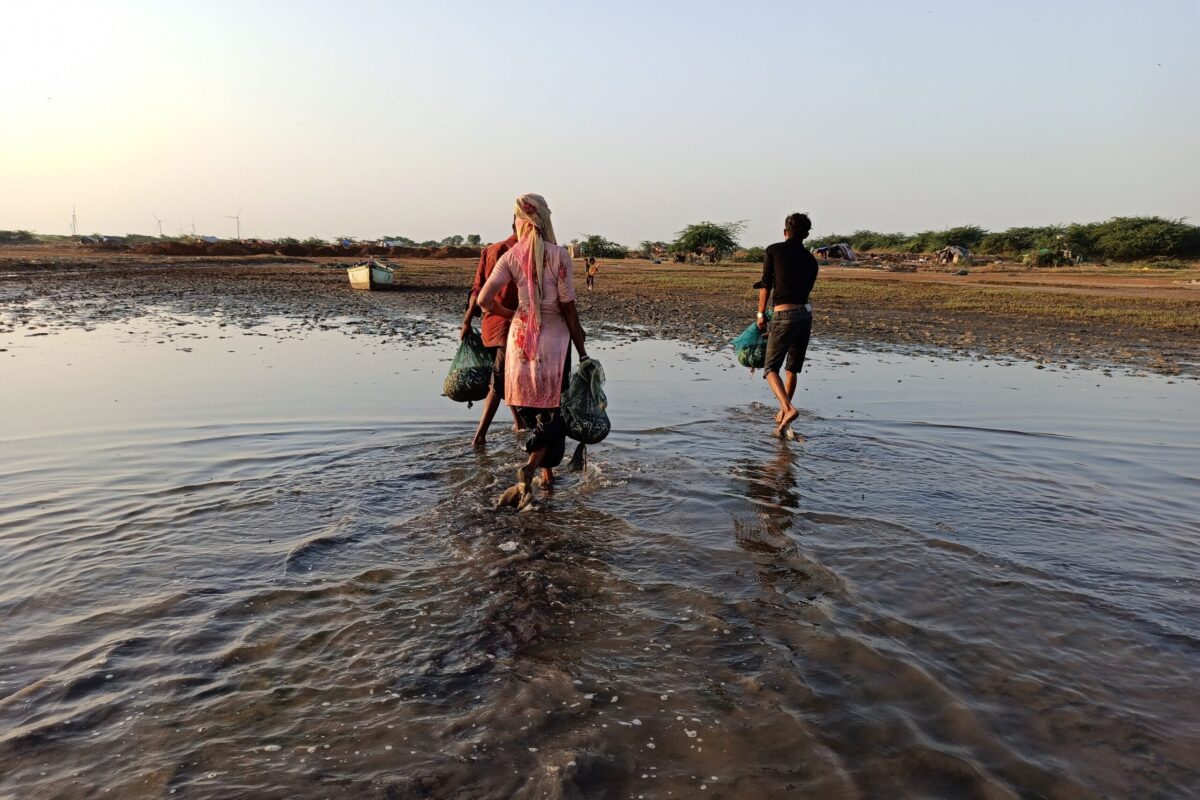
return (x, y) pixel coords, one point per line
(632, 118)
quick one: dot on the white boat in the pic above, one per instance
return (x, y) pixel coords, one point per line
(371, 275)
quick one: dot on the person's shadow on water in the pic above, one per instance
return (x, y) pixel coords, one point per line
(773, 488)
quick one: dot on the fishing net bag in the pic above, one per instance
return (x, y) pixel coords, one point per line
(470, 375)
(584, 404)
(751, 347)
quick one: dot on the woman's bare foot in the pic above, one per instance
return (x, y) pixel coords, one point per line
(547, 478)
(525, 477)
(479, 442)
(579, 460)
(511, 498)
(785, 423)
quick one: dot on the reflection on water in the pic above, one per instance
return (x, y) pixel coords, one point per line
(275, 572)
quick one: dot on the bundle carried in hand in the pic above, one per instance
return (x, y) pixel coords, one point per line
(470, 375)
(584, 404)
(751, 347)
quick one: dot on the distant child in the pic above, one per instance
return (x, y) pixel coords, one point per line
(592, 272)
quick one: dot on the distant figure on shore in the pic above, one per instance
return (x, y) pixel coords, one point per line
(789, 272)
(539, 339)
(592, 272)
(494, 331)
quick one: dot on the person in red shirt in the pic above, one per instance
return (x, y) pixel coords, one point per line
(494, 331)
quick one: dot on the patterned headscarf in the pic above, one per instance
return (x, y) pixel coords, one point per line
(533, 224)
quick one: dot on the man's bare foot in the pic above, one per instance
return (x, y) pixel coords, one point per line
(785, 423)
(547, 477)
(479, 442)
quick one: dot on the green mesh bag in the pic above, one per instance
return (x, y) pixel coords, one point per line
(751, 347)
(584, 404)
(470, 376)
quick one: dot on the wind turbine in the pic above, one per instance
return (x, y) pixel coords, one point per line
(238, 218)
(160, 222)
(74, 222)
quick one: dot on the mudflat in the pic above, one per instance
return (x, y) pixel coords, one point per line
(1138, 318)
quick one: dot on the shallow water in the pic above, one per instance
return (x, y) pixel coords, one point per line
(248, 562)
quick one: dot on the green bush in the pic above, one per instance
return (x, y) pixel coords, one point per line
(717, 239)
(871, 240)
(825, 241)
(751, 255)
(647, 248)
(968, 236)
(596, 246)
(1128, 238)
(862, 240)
(15, 237)
(1020, 240)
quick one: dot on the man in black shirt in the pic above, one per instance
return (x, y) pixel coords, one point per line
(789, 272)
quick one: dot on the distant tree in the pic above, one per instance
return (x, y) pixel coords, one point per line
(474, 240)
(15, 237)
(404, 241)
(713, 240)
(648, 248)
(451, 241)
(313, 241)
(429, 243)
(287, 240)
(597, 246)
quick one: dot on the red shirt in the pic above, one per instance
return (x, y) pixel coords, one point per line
(495, 327)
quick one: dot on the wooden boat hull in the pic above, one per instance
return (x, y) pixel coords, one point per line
(367, 277)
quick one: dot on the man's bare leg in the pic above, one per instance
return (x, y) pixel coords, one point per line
(485, 419)
(789, 388)
(787, 412)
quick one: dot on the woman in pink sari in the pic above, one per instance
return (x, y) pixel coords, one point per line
(539, 339)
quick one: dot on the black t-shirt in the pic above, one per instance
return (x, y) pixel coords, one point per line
(789, 271)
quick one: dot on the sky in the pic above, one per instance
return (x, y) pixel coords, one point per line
(633, 119)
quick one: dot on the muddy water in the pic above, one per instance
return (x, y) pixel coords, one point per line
(246, 565)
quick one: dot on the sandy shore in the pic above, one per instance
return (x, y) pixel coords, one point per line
(1142, 320)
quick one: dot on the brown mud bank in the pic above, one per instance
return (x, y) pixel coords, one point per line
(1097, 320)
(255, 247)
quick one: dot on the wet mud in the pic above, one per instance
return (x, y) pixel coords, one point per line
(37, 296)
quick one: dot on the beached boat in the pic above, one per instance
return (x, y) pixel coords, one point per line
(372, 275)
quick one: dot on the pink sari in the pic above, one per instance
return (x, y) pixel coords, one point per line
(537, 349)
